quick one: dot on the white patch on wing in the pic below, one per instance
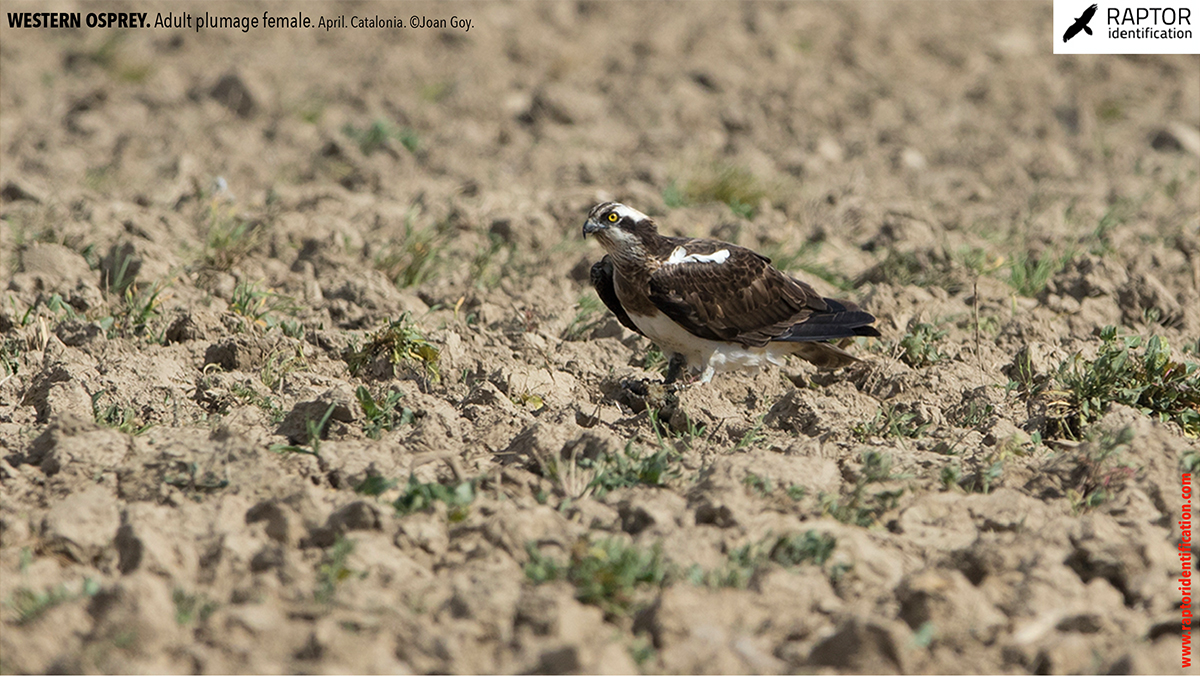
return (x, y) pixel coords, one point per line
(624, 211)
(680, 255)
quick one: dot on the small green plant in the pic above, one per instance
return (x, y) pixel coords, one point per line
(951, 475)
(434, 93)
(419, 496)
(313, 429)
(375, 485)
(256, 305)
(410, 139)
(108, 56)
(989, 469)
(924, 634)
(1100, 472)
(333, 570)
(861, 508)
(311, 109)
(809, 547)
(279, 364)
(989, 472)
(972, 413)
(10, 355)
(191, 478)
(802, 258)
(121, 418)
(1190, 462)
(57, 306)
(28, 604)
(229, 239)
(413, 259)
(135, 312)
(753, 436)
(607, 573)
(686, 436)
(269, 405)
(789, 551)
(891, 421)
(655, 360)
(382, 414)
(759, 485)
(490, 264)
(1082, 389)
(919, 345)
(1029, 275)
(589, 314)
(1115, 217)
(641, 649)
(292, 328)
(191, 607)
(581, 476)
(375, 136)
(788, 258)
(401, 343)
(119, 280)
(527, 399)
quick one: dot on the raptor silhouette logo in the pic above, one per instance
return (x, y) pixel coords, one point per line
(1081, 24)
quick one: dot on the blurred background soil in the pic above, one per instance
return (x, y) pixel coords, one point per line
(301, 369)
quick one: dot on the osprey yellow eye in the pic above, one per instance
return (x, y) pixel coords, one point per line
(613, 218)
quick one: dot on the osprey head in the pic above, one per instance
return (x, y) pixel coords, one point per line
(618, 227)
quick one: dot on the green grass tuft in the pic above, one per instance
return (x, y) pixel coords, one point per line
(191, 607)
(381, 414)
(890, 421)
(590, 313)
(313, 430)
(419, 496)
(919, 345)
(379, 133)
(414, 258)
(1082, 390)
(28, 604)
(789, 551)
(1100, 471)
(860, 508)
(608, 573)
(333, 569)
(401, 343)
(1029, 275)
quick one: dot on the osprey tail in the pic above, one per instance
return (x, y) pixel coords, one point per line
(842, 320)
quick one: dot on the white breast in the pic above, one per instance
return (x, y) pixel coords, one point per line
(701, 353)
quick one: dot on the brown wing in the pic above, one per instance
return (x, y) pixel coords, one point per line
(602, 281)
(745, 300)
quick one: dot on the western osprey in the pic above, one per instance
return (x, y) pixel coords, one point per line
(711, 305)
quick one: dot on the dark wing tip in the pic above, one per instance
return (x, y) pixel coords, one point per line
(843, 319)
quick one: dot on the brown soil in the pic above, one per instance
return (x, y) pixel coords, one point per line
(288, 193)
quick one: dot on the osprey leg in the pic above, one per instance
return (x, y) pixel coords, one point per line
(675, 368)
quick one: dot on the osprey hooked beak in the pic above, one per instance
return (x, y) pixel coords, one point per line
(591, 226)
